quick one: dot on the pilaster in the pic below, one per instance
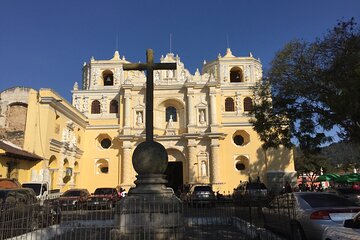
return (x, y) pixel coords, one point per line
(127, 112)
(215, 161)
(193, 173)
(126, 165)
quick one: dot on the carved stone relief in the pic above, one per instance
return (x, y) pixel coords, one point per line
(95, 76)
(117, 76)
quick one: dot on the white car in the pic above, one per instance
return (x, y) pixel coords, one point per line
(349, 231)
(305, 215)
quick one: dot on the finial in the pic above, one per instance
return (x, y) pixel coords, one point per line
(204, 62)
(219, 55)
(197, 72)
(123, 58)
(228, 53)
(116, 56)
(84, 64)
(92, 58)
(76, 87)
(250, 54)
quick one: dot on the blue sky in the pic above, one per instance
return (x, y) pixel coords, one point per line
(44, 43)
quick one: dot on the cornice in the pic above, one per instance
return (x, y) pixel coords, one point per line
(95, 127)
(56, 104)
(237, 124)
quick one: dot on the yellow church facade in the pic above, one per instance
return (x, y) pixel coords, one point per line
(202, 121)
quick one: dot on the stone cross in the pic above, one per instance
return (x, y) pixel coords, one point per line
(149, 66)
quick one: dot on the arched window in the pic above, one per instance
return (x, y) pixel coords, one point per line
(236, 75)
(95, 107)
(171, 111)
(248, 106)
(108, 77)
(114, 106)
(229, 105)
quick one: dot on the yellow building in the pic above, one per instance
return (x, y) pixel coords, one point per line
(202, 121)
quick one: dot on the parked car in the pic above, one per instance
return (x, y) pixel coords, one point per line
(202, 195)
(103, 198)
(74, 199)
(349, 231)
(24, 196)
(9, 183)
(250, 193)
(18, 209)
(42, 190)
(305, 215)
(349, 193)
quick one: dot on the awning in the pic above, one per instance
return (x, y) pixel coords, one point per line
(12, 150)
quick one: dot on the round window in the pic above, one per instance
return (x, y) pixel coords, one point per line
(105, 143)
(239, 140)
(240, 166)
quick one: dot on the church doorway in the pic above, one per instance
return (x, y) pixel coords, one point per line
(174, 175)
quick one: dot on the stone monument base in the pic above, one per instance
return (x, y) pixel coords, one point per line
(149, 217)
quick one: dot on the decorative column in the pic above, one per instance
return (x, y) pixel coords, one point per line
(193, 173)
(71, 165)
(213, 119)
(126, 164)
(215, 161)
(191, 110)
(127, 111)
(59, 181)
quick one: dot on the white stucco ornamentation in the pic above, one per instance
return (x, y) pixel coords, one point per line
(118, 76)
(95, 75)
(85, 106)
(104, 104)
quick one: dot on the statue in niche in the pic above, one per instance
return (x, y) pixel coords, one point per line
(203, 169)
(202, 117)
(182, 75)
(139, 119)
(157, 76)
(170, 73)
(170, 123)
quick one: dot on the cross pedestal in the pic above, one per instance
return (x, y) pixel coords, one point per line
(151, 210)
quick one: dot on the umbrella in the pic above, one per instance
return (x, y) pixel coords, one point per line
(327, 177)
(348, 178)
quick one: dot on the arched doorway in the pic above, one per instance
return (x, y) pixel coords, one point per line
(174, 171)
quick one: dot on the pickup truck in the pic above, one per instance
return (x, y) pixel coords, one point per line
(42, 191)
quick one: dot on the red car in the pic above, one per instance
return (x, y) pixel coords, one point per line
(103, 198)
(74, 199)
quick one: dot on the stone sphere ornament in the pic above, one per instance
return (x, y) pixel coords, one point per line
(150, 157)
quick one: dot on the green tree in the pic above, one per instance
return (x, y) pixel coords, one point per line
(315, 88)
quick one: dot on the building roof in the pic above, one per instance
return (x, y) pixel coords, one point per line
(15, 151)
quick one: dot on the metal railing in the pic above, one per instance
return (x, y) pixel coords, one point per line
(225, 220)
